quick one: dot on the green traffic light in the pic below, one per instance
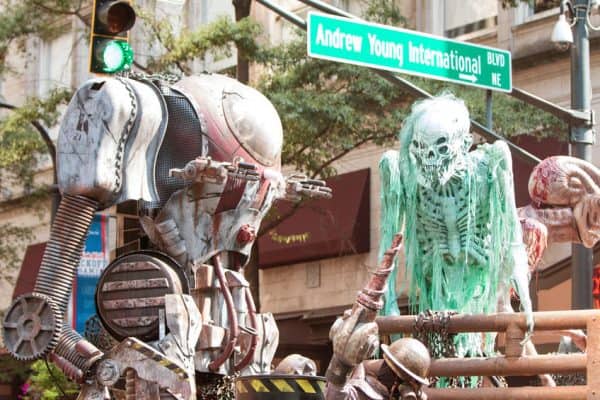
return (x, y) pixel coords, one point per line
(117, 55)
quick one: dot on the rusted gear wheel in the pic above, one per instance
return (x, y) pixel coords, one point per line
(31, 328)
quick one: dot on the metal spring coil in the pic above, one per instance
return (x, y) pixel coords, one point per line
(66, 348)
(63, 250)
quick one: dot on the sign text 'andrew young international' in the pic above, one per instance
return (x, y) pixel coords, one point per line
(401, 50)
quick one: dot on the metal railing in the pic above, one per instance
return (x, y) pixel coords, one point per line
(513, 363)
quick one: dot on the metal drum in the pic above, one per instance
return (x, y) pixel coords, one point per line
(130, 297)
(280, 387)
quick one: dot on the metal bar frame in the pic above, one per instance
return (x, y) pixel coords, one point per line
(523, 393)
(514, 324)
(499, 322)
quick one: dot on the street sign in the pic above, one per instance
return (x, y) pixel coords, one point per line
(402, 50)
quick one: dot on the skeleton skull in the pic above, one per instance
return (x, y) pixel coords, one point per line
(440, 139)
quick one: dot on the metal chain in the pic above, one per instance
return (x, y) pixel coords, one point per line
(141, 76)
(431, 328)
(221, 388)
(125, 133)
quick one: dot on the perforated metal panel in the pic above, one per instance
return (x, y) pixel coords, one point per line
(183, 142)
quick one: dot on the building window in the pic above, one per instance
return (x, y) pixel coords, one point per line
(462, 17)
(526, 11)
(55, 62)
(203, 12)
(543, 5)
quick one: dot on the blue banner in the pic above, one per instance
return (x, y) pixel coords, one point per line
(94, 259)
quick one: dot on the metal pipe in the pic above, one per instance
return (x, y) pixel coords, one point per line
(503, 366)
(573, 117)
(77, 350)
(544, 321)
(253, 337)
(582, 139)
(416, 91)
(299, 22)
(511, 393)
(488, 109)
(328, 8)
(234, 330)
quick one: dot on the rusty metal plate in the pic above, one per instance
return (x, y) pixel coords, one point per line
(131, 290)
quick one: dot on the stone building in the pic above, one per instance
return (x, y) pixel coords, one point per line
(305, 278)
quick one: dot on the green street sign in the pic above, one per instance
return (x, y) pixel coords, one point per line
(402, 50)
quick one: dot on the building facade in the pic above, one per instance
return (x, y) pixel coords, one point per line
(306, 295)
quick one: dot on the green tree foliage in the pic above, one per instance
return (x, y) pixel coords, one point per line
(216, 38)
(47, 382)
(328, 109)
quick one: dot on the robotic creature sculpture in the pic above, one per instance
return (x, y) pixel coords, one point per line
(565, 192)
(463, 238)
(203, 158)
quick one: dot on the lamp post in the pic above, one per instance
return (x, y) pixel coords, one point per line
(581, 138)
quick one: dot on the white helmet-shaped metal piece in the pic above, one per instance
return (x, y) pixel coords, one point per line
(241, 122)
(409, 359)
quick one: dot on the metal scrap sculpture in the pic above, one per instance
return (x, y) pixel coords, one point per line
(402, 373)
(565, 194)
(202, 156)
(457, 211)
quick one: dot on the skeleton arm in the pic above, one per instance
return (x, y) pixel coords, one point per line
(392, 217)
(516, 260)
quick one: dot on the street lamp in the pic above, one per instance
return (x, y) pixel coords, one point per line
(574, 34)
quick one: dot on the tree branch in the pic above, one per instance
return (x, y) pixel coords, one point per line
(346, 151)
(43, 133)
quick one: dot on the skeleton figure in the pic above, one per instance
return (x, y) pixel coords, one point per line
(463, 238)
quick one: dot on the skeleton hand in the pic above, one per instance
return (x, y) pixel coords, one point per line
(520, 280)
(578, 337)
(530, 325)
(353, 341)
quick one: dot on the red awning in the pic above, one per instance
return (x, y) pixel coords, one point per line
(320, 228)
(29, 269)
(542, 148)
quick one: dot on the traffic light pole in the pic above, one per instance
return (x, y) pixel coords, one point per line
(582, 139)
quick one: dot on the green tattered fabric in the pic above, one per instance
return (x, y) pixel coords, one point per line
(476, 207)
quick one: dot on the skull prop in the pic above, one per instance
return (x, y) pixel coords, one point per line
(438, 139)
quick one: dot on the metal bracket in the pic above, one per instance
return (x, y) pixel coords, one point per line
(583, 135)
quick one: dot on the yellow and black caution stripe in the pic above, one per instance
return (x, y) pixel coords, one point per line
(279, 386)
(157, 357)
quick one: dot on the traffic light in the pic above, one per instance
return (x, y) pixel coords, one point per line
(110, 51)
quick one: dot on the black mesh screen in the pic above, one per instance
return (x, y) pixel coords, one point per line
(182, 143)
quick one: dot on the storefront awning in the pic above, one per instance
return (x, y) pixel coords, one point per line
(29, 269)
(320, 228)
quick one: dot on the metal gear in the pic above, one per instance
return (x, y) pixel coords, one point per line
(31, 329)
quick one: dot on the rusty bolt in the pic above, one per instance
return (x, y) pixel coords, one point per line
(108, 373)
(246, 234)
